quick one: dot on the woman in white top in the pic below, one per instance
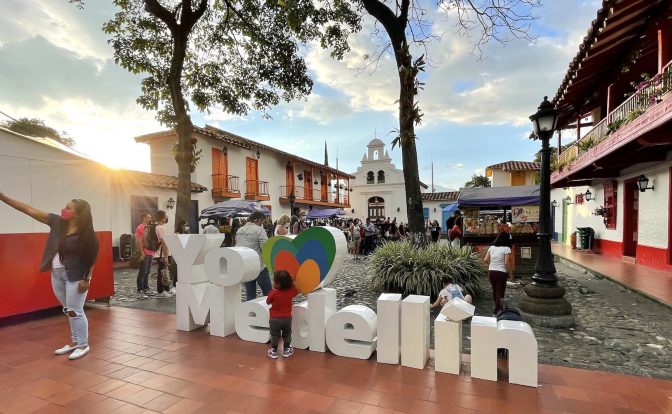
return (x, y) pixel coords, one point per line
(500, 263)
(281, 227)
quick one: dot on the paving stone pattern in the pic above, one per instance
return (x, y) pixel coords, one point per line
(616, 329)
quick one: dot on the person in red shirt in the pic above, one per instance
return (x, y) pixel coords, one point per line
(280, 299)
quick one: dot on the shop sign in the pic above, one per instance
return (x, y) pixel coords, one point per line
(525, 214)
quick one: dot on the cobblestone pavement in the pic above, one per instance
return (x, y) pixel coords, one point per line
(616, 329)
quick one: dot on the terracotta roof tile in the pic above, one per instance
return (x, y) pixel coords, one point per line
(245, 143)
(516, 166)
(444, 196)
(165, 182)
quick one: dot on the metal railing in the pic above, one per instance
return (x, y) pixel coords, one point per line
(648, 93)
(222, 183)
(300, 194)
(256, 188)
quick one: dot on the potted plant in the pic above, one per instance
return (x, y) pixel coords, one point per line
(603, 212)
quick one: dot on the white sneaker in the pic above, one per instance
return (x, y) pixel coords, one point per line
(164, 295)
(79, 352)
(172, 290)
(65, 350)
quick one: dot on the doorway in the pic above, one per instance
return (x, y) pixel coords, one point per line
(630, 217)
(565, 208)
(141, 205)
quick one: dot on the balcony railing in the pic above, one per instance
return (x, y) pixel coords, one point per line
(225, 185)
(255, 188)
(648, 93)
(316, 195)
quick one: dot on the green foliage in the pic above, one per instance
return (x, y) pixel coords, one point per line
(615, 125)
(477, 181)
(403, 267)
(586, 144)
(36, 127)
(239, 55)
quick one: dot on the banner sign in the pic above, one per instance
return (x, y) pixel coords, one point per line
(525, 214)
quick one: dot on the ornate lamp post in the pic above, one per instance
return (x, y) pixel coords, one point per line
(544, 303)
(292, 199)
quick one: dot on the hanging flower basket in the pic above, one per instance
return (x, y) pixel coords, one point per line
(601, 211)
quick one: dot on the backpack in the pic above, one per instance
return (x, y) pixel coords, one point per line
(362, 232)
(151, 239)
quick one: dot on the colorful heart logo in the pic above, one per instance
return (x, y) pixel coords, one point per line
(312, 258)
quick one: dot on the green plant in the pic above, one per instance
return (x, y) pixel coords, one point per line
(405, 268)
(586, 144)
(632, 115)
(613, 126)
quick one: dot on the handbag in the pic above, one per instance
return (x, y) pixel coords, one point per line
(165, 274)
(455, 232)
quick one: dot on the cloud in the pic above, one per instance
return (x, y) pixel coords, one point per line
(458, 166)
(506, 87)
(319, 108)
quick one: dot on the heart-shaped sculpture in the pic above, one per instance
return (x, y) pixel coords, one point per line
(312, 258)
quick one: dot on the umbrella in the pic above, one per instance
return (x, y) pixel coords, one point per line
(326, 213)
(450, 208)
(231, 208)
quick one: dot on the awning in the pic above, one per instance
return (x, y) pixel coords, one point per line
(232, 208)
(499, 196)
(326, 213)
(450, 208)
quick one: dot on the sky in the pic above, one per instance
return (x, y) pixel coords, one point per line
(56, 65)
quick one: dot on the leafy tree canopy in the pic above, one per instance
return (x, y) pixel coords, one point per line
(241, 55)
(36, 127)
(477, 181)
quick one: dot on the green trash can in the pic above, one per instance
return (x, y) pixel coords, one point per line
(585, 237)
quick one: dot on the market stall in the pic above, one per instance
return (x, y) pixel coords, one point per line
(489, 210)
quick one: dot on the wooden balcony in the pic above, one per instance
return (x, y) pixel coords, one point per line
(315, 197)
(628, 135)
(256, 190)
(225, 186)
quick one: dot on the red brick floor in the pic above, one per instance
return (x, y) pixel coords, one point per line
(656, 284)
(140, 363)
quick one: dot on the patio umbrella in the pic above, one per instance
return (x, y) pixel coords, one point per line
(232, 208)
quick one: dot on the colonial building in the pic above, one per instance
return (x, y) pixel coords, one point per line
(234, 167)
(616, 178)
(513, 173)
(379, 190)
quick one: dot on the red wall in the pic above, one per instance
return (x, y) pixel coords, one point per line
(25, 290)
(648, 256)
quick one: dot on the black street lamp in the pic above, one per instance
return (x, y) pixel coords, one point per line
(292, 199)
(544, 303)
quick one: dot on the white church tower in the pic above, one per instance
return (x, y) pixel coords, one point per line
(378, 188)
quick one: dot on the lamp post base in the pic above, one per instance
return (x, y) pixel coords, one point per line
(546, 306)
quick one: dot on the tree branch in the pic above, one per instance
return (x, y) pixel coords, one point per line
(388, 19)
(156, 9)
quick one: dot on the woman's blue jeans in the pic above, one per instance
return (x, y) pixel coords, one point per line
(264, 282)
(72, 300)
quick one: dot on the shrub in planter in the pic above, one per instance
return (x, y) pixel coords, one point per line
(404, 268)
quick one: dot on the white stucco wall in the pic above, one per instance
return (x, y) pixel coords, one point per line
(47, 178)
(653, 208)
(501, 178)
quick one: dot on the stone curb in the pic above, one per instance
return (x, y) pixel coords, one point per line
(571, 263)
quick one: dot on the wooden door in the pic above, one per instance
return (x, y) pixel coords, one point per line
(141, 205)
(325, 191)
(251, 176)
(289, 179)
(219, 170)
(565, 207)
(308, 189)
(630, 218)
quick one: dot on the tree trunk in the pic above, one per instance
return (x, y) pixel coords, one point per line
(409, 153)
(184, 129)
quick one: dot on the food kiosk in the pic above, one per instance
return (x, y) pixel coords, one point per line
(489, 210)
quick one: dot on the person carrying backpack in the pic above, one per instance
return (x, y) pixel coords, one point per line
(146, 256)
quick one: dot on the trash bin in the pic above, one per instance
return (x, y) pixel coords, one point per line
(585, 236)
